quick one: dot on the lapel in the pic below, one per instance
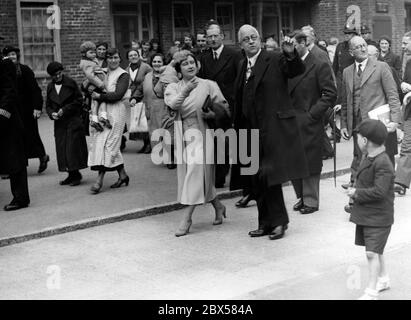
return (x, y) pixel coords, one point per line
(241, 75)
(220, 63)
(260, 67)
(369, 70)
(65, 92)
(309, 63)
(365, 164)
(350, 77)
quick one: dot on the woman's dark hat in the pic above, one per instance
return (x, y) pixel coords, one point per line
(54, 67)
(8, 49)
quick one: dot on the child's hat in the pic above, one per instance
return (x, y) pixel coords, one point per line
(86, 46)
(373, 130)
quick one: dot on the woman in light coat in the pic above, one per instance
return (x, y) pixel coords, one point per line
(195, 170)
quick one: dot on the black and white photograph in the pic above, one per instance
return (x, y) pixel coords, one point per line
(218, 152)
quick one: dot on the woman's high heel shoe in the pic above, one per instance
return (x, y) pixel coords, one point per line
(219, 219)
(120, 182)
(182, 231)
(95, 188)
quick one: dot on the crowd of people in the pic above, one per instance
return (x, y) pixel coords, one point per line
(289, 90)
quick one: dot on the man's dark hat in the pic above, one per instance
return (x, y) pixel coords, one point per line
(8, 49)
(373, 130)
(350, 29)
(54, 67)
(365, 29)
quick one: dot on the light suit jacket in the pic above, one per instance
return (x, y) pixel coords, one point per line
(378, 87)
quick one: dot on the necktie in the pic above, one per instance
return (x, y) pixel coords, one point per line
(359, 70)
(248, 72)
(215, 56)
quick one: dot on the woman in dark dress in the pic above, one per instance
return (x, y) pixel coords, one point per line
(64, 106)
(30, 105)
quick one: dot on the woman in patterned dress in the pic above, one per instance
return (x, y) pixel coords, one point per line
(105, 154)
(195, 174)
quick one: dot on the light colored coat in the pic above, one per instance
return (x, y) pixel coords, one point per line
(378, 87)
(195, 176)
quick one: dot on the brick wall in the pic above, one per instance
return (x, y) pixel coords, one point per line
(82, 21)
(8, 23)
(328, 17)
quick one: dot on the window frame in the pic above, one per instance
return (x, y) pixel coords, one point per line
(172, 17)
(56, 36)
(227, 3)
(139, 15)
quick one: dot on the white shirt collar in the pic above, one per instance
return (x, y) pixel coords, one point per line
(363, 64)
(218, 51)
(305, 56)
(253, 59)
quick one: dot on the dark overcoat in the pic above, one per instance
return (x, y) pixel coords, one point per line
(281, 152)
(312, 94)
(30, 99)
(223, 71)
(374, 195)
(69, 133)
(12, 159)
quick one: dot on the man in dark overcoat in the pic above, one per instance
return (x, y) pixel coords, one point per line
(64, 105)
(30, 105)
(220, 64)
(262, 102)
(12, 160)
(312, 93)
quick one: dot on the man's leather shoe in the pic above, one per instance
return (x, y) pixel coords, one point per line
(259, 233)
(278, 232)
(43, 163)
(75, 182)
(243, 202)
(347, 185)
(348, 208)
(299, 205)
(308, 210)
(15, 206)
(66, 181)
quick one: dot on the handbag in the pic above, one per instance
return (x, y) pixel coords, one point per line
(138, 119)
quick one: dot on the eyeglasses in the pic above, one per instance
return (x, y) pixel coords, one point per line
(248, 39)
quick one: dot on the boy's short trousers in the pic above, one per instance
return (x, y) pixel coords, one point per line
(373, 238)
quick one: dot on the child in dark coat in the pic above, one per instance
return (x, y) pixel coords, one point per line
(373, 209)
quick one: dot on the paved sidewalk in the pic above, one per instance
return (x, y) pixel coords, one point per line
(54, 206)
(142, 259)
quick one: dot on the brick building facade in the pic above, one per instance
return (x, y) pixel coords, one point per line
(24, 22)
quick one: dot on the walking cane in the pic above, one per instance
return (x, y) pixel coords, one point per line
(335, 149)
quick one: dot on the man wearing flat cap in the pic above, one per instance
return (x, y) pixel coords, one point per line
(12, 160)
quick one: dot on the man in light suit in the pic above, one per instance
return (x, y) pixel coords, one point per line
(366, 85)
(312, 93)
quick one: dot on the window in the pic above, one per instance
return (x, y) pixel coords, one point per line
(408, 17)
(132, 21)
(271, 18)
(182, 19)
(39, 45)
(225, 17)
(286, 19)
